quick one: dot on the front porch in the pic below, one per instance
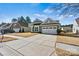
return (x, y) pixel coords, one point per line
(36, 28)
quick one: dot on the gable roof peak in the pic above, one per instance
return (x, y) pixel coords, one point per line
(49, 20)
(37, 20)
(77, 20)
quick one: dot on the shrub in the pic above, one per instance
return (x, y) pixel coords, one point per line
(59, 31)
(23, 30)
(8, 31)
(20, 30)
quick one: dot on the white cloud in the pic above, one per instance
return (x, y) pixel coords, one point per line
(48, 10)
(37, 15)
(70, 15)
(41, 15)
(62, 17)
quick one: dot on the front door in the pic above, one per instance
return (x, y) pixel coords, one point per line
(36, 29)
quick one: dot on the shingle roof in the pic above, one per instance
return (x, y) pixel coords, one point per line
(2, 24)
(5, 26)
(15, 25)
(9, 25)
(49, 20)
(37, 21)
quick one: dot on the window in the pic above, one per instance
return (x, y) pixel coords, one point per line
(74, 29)
(55, 27)
(43, 27)
(78, 25)
(36, 29)
(50, 27)
(46, 27)
(15, 24)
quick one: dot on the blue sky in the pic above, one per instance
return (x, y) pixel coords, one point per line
(33, 10)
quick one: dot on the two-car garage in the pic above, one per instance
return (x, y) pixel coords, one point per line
(49, 30)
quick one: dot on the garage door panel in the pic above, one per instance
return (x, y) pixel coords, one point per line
(16, 29)
(49, 31)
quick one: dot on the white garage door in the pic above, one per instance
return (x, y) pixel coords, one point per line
(49, 30)
(16, 29)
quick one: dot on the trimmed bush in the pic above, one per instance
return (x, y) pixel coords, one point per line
(59, 31)
(20, 30)
(23, 30)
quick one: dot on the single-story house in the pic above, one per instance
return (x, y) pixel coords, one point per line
(76, 26)
(67, 28)
(49, 26)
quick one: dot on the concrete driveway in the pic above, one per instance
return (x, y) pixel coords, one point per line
(37, 45)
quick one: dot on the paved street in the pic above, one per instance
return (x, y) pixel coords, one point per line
(37, 45)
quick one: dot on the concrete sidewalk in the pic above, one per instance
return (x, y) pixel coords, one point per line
(67, 47)
(37, 45)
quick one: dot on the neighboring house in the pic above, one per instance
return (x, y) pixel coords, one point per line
(67, 28)
(15, 26)
(76, 26)
(4, 28)
(2, 24)
(49, 26)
